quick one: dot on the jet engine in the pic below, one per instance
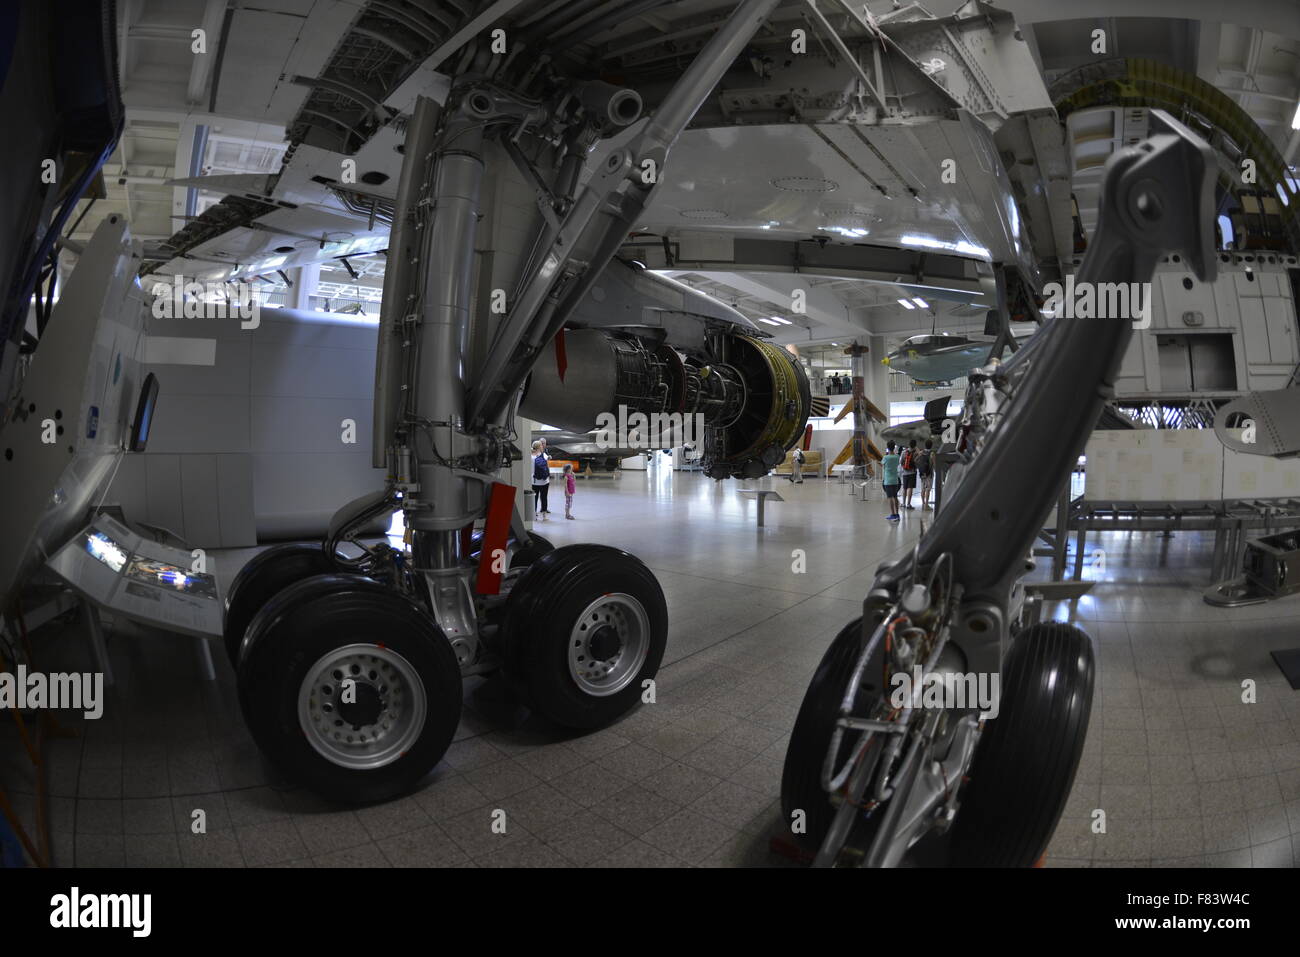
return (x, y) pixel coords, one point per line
(742, 401)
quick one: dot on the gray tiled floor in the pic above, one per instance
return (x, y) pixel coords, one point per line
(1184, 771)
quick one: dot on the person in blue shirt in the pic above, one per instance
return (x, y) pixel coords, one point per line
(890, 480)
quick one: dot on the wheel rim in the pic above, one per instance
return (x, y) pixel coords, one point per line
(381, 722)
(608, 644)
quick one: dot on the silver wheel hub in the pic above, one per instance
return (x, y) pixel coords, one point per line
(362, 706)
(608, 644)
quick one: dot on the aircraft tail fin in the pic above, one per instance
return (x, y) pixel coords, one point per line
(936, 410)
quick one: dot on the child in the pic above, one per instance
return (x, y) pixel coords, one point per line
(570, 486)
(889, 480)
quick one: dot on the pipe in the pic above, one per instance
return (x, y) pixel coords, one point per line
(448, 258)
(402, 252)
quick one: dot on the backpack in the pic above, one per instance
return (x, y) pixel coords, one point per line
(541, 471)
(907, 460)
(923, 462)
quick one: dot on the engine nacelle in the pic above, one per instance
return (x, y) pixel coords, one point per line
(749, 399)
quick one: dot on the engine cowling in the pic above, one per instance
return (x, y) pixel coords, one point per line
(743, 401)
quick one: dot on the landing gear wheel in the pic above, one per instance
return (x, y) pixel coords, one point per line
(584, 626)
(1024, 766)
(269, 573)
(801, 787)
(350, 688)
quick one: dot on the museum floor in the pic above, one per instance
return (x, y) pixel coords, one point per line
(1185, 772)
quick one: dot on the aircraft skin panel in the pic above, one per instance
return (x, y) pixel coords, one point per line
(84, 379)
(254, 76)
(838, 193)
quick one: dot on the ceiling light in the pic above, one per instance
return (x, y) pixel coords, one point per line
(783, 322)
(770, 322)
(920, 302)
(1295, 120)
(906, 304)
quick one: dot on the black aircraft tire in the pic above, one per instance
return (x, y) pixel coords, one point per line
(801, 788)
(267, 574)
(407, 688)
(1025, 763)
(604, 604)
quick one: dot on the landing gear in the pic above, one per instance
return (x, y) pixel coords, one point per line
(584, 627)
(1025, 763)
(520, 555)
(349, 687)
(801, 778)
(269, 573)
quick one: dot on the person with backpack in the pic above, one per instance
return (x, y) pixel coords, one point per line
(889, 480)
(908, 466)
(541, 479)
(925, 469)
(796, 467)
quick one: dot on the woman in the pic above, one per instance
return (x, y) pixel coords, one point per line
(541, 479)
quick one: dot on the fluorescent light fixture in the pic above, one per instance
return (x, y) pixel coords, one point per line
(1295, 120)
(771, 323)
(906, 304)
(920, 302)
(783, 322)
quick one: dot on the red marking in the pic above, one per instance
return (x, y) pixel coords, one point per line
(786, 846)
(496, 529)
(807, 437)
(561, 358)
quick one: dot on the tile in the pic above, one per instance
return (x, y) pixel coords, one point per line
(152, 850)
(584, 838)
(689, 835)
(428, 846)
(361, 855)
(270, 843)
(636, 809)
(213, 849)
(148, 816)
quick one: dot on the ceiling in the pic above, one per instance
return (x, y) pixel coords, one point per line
(226, 110)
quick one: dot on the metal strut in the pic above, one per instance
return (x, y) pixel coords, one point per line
(600, 219)
(1157, 199)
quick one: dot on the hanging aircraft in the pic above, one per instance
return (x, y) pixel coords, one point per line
(940, 357)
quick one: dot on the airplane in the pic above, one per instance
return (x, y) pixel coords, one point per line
(526, 210)
(940, 357)
(929, 427)
(585, 448)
